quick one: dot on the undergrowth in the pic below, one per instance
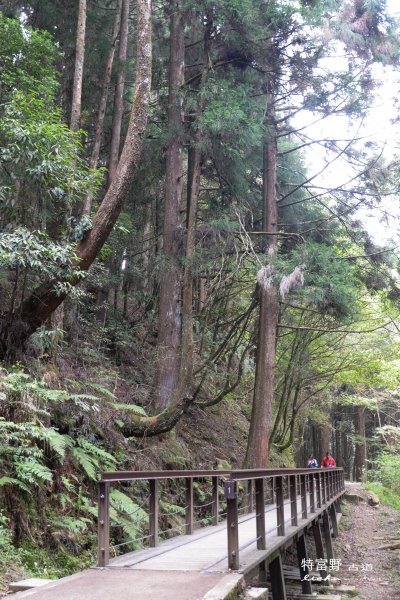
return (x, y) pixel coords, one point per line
(385, 495)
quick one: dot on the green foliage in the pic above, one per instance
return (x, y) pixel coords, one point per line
(27, 58)
(386, 472)
(10, 557)
(130, 516)
(385, 494)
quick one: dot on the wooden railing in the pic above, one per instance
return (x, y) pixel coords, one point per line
(244, 490)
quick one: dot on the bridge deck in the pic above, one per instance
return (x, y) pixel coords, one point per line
(187, 567)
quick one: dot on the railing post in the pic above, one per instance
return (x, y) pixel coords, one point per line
(324, 487)
(293, 500)
(260, 513)
(232, 524)
(153, 514)
(312, 494)
(250, 503)
(318, 475)
(303, 494)
(280, 507)
(189, 506)
(215, 501)
(103, 525)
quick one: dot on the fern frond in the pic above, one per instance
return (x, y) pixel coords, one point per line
(85, 461)
(32, 471)
(13, 481)
(139, 410)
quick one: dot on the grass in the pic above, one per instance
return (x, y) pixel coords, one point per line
(385, 494)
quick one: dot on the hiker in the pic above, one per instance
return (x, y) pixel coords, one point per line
(311, 462)
(328, 461)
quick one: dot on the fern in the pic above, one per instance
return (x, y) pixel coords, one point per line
(32, 471)
(85, 461)
(13, 481)
(57, 442)
(74, 525)
(131, 407)
(129, 515)
(102, 390)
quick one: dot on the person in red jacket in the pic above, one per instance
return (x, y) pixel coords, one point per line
(328, 461)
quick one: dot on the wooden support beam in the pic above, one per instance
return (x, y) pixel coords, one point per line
(215, 501)
(232, 524)
(318, 485)
(260, 513)
(332, 514)
(103, 525)
(262, 572)
(153, 513)
(319, 546)
(327, 535)
(189, 506)
(302, 557)
(293, 500)
(303, 493)
(277, 579)
(324, 487)
(250, 496)
(312, 492)
(280, 507)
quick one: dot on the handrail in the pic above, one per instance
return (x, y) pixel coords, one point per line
(321, 486)
(114, 476)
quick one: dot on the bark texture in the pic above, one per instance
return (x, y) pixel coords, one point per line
(119, 92)
(261, 416)
(169, 328)
(360, 447)
(94, 159)
(42, 302)
(78, 73)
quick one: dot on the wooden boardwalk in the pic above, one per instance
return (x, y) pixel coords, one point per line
(188, 567)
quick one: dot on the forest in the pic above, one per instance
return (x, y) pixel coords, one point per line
(187, 279)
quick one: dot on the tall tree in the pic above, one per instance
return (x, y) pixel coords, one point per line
(79, 62)
(169, 327)
(37, 308)
(119, 92)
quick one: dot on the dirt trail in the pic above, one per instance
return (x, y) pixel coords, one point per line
(374, 571)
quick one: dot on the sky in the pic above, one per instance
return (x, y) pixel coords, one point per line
(382, 223)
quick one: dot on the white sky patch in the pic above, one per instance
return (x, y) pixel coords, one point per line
(379, 127)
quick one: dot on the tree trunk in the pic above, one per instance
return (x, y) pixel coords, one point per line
(361, 446)
(94, 159)
(338, 445)
(325, 439)
(169, 328)
(78, 73)
(119, 92)
(38, 307)
(261, 416)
